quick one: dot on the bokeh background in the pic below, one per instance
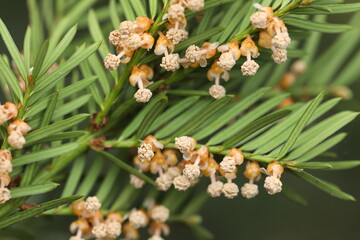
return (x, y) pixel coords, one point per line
(265, 217)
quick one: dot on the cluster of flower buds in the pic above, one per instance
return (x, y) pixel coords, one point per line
(5, 169)
(8, 111)
(176, 32)
(127, 39)
(273, 32)
(150, 158)
(139, 218)
(17, 130)
(91, 222)
(199, 162)
(141, 76)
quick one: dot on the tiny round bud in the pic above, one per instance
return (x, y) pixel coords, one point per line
(113, 229)
(279, 55)
(191, 172)
(111, 62)
(115, 37)
(228, 164)
(145, 152)
(138, 219)
(160, 213)
(136, 182)
(193, 53)
(163, 182)
(134, 42)
(195, 5)
(261, 18)
(143, 95)
(177, 35)
(298, 67)
(249, 68)
(181, 183)
(92, 204)
(16, 140)
(215, 189)
(217, 91)
(185, 144)
(173, 172)
(127, 27)
(99, 231)
(226, 61)
(170, 62)
(230, 190)
(176, 13)
(272, 185)
(281, 40)
(249, 190)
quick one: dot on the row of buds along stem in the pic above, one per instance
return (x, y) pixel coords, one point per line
(200, 162)
(273, 32)
(91, 222)
(176, 32)
(158, 214)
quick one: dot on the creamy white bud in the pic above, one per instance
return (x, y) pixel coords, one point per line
(191, 172)
(138, 219)
(249, 68)
(145, 152)
(143, 95)
(272, 185)
(181, 183)
(163, 182)
(160, 213)
(170, 62)
(217, 91)
(226, 61)
(249, 190)
(136, 182)
(228, 164)
(230, 190)
(215, 189)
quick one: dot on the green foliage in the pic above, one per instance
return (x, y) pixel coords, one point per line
(77, 109)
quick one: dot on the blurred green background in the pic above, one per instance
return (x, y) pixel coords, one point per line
(265, 217)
